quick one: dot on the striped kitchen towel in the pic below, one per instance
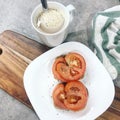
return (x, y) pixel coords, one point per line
(106, 39)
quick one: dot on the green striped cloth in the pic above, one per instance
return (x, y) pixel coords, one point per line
(106, 39)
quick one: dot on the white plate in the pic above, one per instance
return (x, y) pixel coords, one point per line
(39, 84)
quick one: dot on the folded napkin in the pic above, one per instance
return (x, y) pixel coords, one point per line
(106, 39)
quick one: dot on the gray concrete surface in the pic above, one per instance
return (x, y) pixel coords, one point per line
(15, 15)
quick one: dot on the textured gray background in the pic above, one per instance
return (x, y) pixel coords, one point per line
(15, 15)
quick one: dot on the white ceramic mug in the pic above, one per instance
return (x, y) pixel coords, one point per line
(56, 38)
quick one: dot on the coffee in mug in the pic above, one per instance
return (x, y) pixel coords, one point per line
(50, 21)
(52, 25)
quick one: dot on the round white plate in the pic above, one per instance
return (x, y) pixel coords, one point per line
(39, 84)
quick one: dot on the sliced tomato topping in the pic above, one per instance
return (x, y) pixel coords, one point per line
(54, 68)
(59, 96)
(77, 62)
(75, 103)
(72, 95)
(69, 67)
(65, 72)
(77, 95)
(76, 87)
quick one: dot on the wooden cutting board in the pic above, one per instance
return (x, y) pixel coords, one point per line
(16, 52)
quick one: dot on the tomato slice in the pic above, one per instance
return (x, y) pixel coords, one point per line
(67, 73)
(77, 62)
(77, 95)
(69, 67)
(76, 87)
(72, 95)
(75, 103)
(54, 68)
(59, 96)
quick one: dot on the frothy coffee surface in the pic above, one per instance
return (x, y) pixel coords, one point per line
(50, 21)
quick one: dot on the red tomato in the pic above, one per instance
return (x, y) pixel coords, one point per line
(69, 67)
(77, 96)
(77, 62)
(72, 95)
(59, 96)
(76, 87)
(54, 68)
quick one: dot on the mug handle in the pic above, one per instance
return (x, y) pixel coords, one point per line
(70, 9)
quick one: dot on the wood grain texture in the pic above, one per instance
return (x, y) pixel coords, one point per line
(16, 52)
